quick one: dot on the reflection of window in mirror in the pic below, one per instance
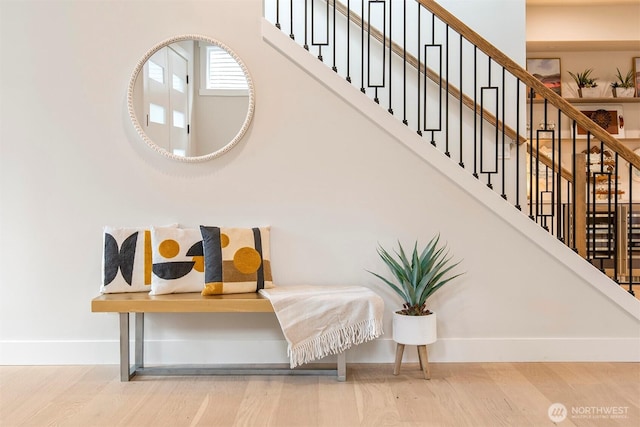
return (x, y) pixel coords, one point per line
(156, 72)
(220, 74)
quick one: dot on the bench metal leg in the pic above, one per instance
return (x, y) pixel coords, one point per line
(124, 347)
(342, 366)
(139, 337)
(127, 371)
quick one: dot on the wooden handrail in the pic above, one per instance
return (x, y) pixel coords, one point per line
(431, 74)
(532, 82)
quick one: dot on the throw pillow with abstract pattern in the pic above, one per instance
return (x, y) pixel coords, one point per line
(236, 260)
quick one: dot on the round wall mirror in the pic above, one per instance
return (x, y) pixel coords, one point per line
(191, 98)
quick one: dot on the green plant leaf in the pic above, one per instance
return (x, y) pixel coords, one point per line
(418, 277)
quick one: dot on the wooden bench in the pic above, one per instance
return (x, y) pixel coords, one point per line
(141, 303)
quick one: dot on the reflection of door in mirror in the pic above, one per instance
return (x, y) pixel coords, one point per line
(165, 99)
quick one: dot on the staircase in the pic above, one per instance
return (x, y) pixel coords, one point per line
(460, 94)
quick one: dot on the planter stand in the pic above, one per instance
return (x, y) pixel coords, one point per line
(422, 355)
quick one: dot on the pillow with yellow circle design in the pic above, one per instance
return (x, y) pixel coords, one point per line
(178, 261)
(236, 260)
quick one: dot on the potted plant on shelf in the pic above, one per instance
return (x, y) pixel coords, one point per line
(416, 279)
(623, 87)
(586, 84)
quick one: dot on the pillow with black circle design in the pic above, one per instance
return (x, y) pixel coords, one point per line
(236, 260)
(178, 262)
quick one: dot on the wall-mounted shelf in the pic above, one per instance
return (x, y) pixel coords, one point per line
(596, 100)
(547, 141)
(535, 46)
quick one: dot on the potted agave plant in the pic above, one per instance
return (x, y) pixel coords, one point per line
(623, 87)
(586, 84)
(417, 278)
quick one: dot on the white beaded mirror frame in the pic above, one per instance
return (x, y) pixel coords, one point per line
(131, 100)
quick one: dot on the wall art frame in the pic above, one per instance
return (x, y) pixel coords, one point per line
(608, 116)
(548, 71)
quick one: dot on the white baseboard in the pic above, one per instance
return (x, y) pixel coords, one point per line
(274, 351)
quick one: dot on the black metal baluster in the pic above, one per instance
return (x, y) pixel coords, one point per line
(575, 172)
(537, 192)
(380, 84)
(306, 19)
(291, 20)
(531, 96)
(559, 229)
(433, 42)
(631, 245)
(518, 85)
(446, 108)
(418, 67)
(348, 41)
(334, 68)
(475, 111)
(278, 14)
(504, 195)
(461, 162)
(362, 48)
(496, 141)
(553, 174)
(313, 32)
(438, 48)
(592, 216)
(404, 63)
(390, 110)
(375, 88)
(616, 230)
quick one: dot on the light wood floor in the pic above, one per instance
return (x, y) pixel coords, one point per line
(459, 394)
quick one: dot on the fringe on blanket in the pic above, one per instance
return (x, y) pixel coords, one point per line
(334, 342)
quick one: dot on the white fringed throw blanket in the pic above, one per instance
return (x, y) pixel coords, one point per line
(321, 320)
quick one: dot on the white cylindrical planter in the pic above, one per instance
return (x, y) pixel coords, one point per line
(623, 92)
(414, 330)
(590, 92)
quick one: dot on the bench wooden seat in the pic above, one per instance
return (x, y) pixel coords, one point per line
(141, 303)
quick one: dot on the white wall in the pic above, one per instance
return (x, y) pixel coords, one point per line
(611, 22)
(325, 177)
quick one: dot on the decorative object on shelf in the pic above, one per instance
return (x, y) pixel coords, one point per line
(602, 118)
(586, 84)
(609, 117)
(636, 74)
(602, 174)
(623, 87)
(547, 70)
(416, 278)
